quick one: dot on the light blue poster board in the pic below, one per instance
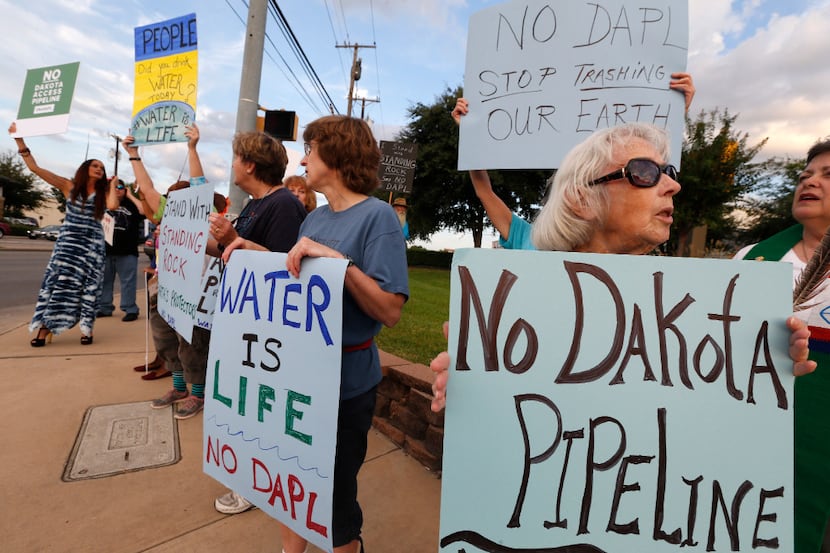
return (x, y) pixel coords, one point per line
(273, 387)
(182, 241)
(540, 76)
(610, 403)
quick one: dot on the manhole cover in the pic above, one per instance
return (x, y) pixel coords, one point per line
(115, 439)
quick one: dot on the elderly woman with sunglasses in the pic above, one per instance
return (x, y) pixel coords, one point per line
(614, 193)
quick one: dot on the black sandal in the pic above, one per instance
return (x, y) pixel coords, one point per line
(42, 338)
(86, 340)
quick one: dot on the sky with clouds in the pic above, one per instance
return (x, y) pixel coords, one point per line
(761, 59)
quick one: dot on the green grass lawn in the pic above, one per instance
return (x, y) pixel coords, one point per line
(418, 337)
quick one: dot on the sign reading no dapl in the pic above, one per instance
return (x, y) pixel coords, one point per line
(540, 76)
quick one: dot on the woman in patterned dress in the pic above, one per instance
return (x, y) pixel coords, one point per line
(72, 283)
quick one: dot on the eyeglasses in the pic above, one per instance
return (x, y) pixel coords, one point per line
(641, 172)
(307, 148)
(119, 187)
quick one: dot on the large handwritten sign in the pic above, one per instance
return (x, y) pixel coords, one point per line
(273, 387)
(182, 240)
(610, 403)
(47, 97)
(541, 75)
(166, 73)
(397, 166)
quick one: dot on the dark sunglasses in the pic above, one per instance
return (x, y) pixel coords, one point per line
(641, 172)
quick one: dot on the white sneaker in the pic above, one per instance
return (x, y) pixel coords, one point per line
(232, 503)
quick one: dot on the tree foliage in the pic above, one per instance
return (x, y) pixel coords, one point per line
(716, 171)
(20, 188)
(442, 196)
(769, 210)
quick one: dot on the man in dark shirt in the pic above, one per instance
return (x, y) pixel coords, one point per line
(122, 256)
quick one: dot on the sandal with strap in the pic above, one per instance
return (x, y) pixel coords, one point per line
(86, 340)
(44, 336)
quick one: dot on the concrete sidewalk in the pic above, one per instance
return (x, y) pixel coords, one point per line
(44, 395)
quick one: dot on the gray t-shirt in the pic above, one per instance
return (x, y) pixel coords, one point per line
(370, 234)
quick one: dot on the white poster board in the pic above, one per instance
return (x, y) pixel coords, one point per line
(610, 403)
(540, 76)
(182, 240)
(273, 387)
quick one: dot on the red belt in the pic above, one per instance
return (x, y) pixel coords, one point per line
(357, 347)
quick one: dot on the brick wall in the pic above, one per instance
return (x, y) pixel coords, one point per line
(403, 411)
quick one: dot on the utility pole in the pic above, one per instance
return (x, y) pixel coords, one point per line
(246, 111)
(363, 105)
(356, 71)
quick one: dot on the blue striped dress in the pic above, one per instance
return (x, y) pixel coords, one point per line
(72, 283)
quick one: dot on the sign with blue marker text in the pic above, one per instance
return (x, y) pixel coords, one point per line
(182, 241)
(613, 403)
(540, 76)
(273, 387)
(166, 77)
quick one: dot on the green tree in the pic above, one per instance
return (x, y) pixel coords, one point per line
(716, 172)
(19, 186)
(442, 196)
(769, 209)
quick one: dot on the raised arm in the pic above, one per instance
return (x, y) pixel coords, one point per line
(61, 183)
(498, 212)
(112, 196)
(194, 163)
(150, 197)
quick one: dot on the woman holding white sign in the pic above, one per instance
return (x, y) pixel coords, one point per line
(72, 282)
(341, 161)
(514, 232)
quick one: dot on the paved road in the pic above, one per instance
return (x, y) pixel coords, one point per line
(22, 263)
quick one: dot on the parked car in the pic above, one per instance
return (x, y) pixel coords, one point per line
(50, 232)
(4, 229)
(22, 221)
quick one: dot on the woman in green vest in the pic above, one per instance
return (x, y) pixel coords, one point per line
(796, 245)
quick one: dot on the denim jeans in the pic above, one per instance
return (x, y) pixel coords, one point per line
(126, 267)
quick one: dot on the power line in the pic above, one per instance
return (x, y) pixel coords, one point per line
(301, 56)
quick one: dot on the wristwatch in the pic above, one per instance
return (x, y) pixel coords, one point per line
(350, 260)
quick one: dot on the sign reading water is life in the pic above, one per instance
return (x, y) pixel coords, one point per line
(273, 387)
(541, 75)
(610, 403)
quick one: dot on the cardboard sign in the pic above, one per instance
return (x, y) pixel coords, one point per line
(166, 75)
(209, 291)
(609, 403)
(273, 387)
(182, 240)
(397, 166)
(540, 76)
(108, 223)
(46, 100)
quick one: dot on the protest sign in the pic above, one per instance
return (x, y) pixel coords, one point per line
(166, 74)
(209, 291)
(397, 166)
(610, 403)
(182, 240)
(542, 75)
(108, 223)
(273, 387)
(47, 97)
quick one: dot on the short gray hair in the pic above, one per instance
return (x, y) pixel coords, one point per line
(558, 227)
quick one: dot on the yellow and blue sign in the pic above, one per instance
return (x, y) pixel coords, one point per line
(166, 76)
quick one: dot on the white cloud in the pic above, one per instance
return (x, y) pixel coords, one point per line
(775, 79)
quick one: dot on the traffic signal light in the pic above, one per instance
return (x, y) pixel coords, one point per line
(281, 124)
